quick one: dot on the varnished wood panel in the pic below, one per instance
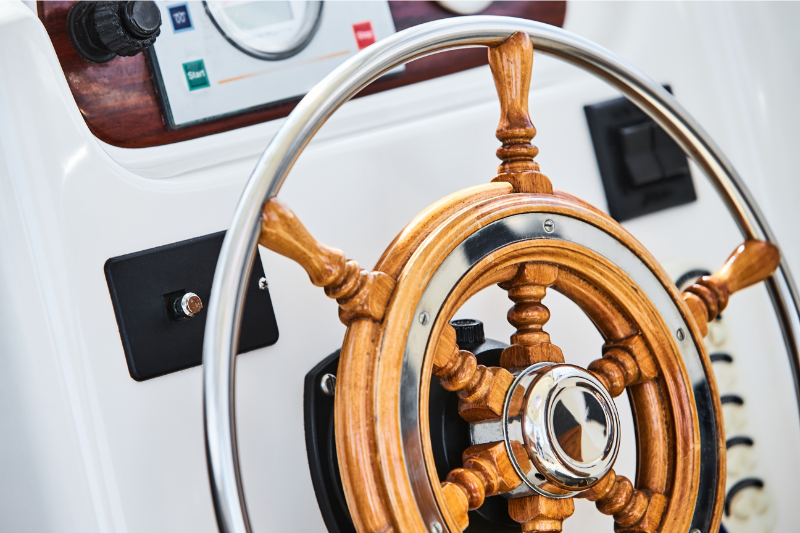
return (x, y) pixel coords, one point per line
(118, 100)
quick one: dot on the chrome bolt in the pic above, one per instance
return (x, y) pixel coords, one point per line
(188, 305)
(695, 531)
(262, 284)
(328, 384)
(424, 318)
(680, 334)
(549, 226)
(436, 527)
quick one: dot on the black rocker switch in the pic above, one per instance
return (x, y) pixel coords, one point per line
(642, 168)
(638, 151)
(669, 154)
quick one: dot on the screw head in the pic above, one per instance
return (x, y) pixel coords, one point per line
(262, 284)
(190, 304)
(424, 318)
(680, 334)
(549, 226)
(328, 384)
(436, 527)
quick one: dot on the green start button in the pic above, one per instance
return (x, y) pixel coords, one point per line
(196, 75)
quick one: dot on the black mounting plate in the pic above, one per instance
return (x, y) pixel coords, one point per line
(155, 344)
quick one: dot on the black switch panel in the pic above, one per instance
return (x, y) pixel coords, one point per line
(144, 284)
(642, 168)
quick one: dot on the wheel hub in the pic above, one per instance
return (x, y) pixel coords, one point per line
(561, 430)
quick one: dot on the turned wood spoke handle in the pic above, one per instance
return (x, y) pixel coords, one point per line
(624, 363)
(632, 509)
(283, 233)
(751, 263)
(487, 471)
(511, 63)
(360, 293)
(481, 390)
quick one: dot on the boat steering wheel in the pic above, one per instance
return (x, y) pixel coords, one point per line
(543, 431)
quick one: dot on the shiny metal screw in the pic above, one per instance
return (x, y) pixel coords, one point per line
(262, 284)
(695, 530)
(549, 226)
(328, 384)
(436, 527)
(188, 305)
(681, 335)
(424, 318)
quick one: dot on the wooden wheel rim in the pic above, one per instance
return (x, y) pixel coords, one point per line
(401, 471)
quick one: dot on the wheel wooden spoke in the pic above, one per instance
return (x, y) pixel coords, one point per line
(361, 294)
(751, 263)
(530, 344)
(511, 64)
(633, 509)
(487, 471)
(481, 390)
(624, 363)
(539, 513)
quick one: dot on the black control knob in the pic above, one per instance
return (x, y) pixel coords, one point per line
(101, 31)
(469, 332)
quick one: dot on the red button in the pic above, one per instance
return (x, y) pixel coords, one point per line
(364, 34)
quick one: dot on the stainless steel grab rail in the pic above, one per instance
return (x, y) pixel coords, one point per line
(222, 327)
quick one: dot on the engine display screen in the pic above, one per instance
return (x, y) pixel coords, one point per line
(254, 15)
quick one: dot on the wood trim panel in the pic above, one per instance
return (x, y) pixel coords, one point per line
(119, 103)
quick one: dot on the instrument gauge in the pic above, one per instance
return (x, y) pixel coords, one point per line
(266, 30)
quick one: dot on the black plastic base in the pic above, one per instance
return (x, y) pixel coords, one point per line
(449, 438)
(323, 461)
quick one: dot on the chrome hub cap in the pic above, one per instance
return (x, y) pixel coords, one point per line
(560, 427)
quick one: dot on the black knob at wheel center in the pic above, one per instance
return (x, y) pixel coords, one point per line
(469, 332)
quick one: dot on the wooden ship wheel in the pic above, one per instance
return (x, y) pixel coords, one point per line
(543, 432)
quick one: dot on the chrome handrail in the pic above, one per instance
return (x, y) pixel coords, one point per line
(224, 311)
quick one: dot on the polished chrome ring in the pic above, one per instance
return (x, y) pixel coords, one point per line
(487, 241)
(239, 246)
(535, 430)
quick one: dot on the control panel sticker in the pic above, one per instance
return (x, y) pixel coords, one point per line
(233, 80)
(365, 36)
(179, 15)
(196, 75)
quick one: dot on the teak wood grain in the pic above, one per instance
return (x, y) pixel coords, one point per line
(481, 390)
(530, 344)
(359, 293)
(668, 460)
(752, 262)
(511, 64)
(537, 513)
(119, 103)
(632, 509)
(624, 363)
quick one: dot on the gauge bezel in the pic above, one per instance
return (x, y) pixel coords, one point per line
(307, 32)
